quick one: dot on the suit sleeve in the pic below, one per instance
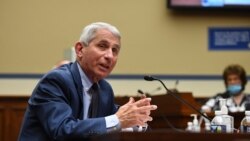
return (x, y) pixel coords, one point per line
(50, 104)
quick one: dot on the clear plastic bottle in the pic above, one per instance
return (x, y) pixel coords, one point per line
(196, 126)
(229, 120)
(222, 123)
(189, 127)
(207, 123)
(207, 127)
(217, 123)
(245, 123)
(223, 106)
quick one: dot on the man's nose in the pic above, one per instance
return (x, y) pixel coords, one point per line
(109, 53)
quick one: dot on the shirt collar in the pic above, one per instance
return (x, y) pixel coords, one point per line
(86, 83)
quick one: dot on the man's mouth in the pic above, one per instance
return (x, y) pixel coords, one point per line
(104, 66)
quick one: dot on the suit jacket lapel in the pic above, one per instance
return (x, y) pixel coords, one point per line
(78, 84)
(77, 79)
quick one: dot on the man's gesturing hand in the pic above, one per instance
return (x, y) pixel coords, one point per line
(135, 113)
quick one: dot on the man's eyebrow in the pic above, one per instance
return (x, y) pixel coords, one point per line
(104, 41)
(107, 42)
(117, 46)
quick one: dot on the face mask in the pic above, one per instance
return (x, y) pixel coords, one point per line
(234, 89)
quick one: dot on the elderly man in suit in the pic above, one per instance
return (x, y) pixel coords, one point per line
(74, 102)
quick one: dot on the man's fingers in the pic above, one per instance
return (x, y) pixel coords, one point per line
(135, 112)
(143, 96)
(143, 102)
(142, 119)
(131, 100)
(146, 112)
(146, 108)
(146, 118)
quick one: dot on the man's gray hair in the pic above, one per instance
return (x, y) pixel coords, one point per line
(88, 33)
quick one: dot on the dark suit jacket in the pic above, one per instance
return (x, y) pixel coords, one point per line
(55, 109)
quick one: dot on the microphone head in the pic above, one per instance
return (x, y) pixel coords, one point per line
(140, 91)
(177, 82)
(148, 78)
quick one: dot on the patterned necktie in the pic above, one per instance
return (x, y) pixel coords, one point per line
(93, 107)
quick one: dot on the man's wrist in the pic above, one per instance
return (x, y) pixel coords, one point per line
(112, 123)
(116, 128)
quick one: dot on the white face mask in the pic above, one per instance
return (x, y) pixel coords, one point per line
(234, 89)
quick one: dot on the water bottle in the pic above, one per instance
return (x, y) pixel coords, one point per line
(217, 125)
(189, 127)
(245, 123)
(223, 106)
(207, 127)
(196, 126)
(222, 123)
(229, 120)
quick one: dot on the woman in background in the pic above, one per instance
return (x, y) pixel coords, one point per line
(235, 80)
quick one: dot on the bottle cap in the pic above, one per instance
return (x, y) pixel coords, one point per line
(218, 113)
(222, 102)
(189, 123)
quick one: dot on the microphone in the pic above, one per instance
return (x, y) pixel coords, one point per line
(140, 91)
(176, 84)
(150, 78)
(175, 87)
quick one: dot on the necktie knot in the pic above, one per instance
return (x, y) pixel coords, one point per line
(94, 86)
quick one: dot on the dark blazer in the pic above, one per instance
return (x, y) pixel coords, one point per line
(55, 108)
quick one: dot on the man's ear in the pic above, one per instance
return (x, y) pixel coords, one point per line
(78, 49)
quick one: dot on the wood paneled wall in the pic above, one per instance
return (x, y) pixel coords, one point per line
(11, 114)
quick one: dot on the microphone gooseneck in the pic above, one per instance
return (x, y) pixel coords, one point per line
(150, 78)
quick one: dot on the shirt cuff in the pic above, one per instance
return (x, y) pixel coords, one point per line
(112, 123)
